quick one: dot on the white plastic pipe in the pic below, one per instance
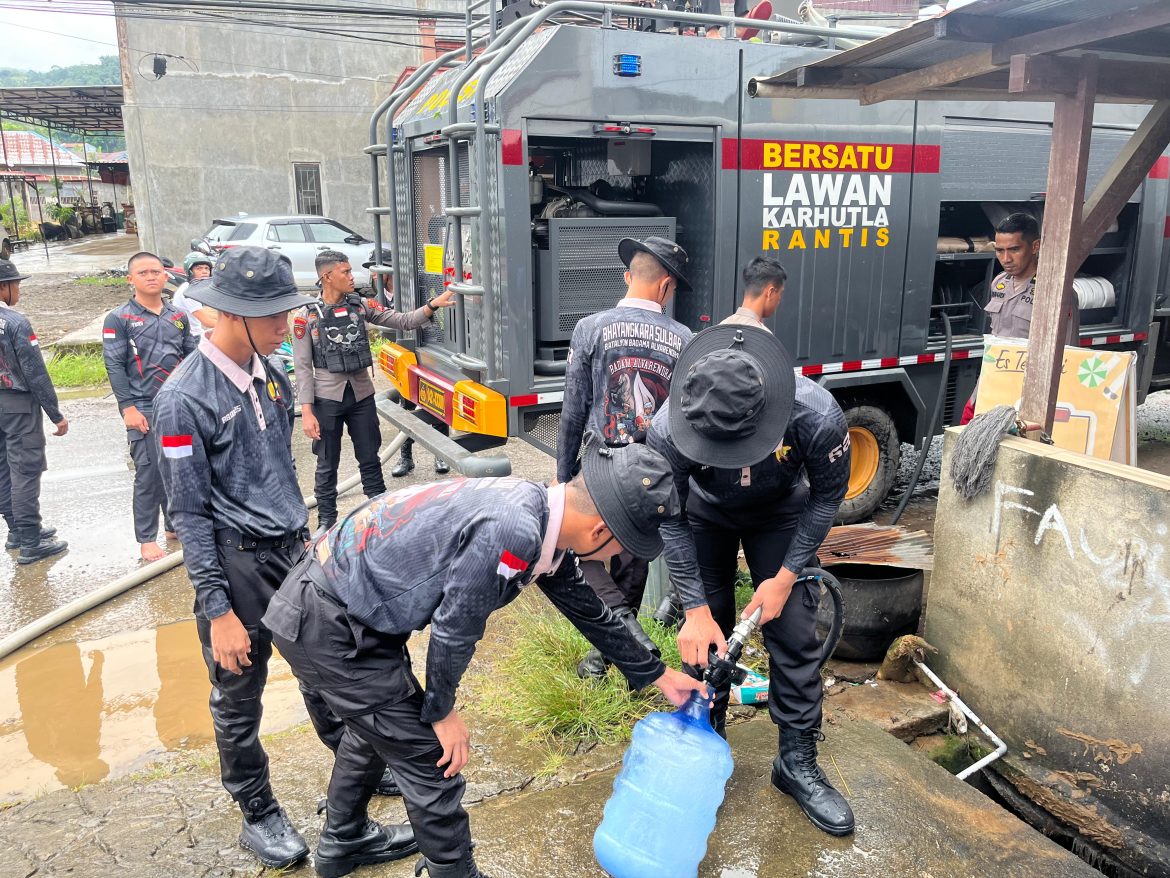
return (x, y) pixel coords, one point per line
(1000, 746)
(98, 596)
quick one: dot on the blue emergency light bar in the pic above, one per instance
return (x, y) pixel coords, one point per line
(627, 65)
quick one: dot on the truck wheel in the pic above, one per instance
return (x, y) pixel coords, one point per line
(874, 454)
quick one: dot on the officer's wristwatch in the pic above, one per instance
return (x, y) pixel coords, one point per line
(430, 304)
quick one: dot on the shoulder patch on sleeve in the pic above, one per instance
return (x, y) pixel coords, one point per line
(299, 325)
(375, 306)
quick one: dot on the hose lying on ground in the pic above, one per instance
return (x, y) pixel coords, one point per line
(973, 458)
(98, 596)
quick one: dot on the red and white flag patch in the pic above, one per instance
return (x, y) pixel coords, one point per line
(510, 565)
(176, 446)
(32, 340)
(340, 312)
(109, 334)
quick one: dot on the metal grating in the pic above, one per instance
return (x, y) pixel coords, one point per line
(542, 430)
(683, 185)
(402, 253)
(429, 194)
(519, 60)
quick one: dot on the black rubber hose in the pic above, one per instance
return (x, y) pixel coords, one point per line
(836, 629)
(932, 426)
(605, 206)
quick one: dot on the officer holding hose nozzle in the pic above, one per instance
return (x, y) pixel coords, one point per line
(760, 458)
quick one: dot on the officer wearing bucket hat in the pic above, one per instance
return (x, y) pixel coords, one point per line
(224, 425)
(760, 458)
(448, 555)
(25, 391)
(618, 375)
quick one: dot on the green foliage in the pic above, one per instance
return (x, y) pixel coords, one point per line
(77, 370)
(106, 72)
(60, 213)
(24, 227)
(537, 686)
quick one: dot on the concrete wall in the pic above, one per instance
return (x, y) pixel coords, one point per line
(223, 138)
(1050, 605)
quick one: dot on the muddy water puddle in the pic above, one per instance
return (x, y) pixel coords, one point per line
(80, 712)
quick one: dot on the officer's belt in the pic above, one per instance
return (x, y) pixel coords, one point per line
(226, 536)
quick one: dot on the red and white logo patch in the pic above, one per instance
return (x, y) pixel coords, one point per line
(299, 325)
(32, 340)
(510, 565)
(109, 334)
(340, 312)
(176, 446)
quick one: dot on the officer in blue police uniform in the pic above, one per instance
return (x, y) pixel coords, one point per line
(25, 391)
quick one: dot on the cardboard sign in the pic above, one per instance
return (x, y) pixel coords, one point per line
(1095, 400)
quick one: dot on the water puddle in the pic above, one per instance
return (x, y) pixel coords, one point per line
(78, 713)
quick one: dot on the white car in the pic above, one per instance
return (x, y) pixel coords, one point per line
(300, 238)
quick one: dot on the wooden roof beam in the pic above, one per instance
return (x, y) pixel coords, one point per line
(1125, 174)
(1084, 33)
(944, 73)
(1124, 80)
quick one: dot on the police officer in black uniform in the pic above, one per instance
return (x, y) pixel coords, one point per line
(142, 342)
(224, 424)
(25, 391)
(331, 350)
(760, 459)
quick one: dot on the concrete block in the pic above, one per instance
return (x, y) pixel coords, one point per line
(905, 710)
(1050, 606)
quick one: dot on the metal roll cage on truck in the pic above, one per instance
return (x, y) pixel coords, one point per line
(509, 169)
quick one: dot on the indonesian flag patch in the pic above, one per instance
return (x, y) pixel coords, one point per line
(109, 334)
(176, 446)
(341, 312)
(32, 340)
(510, 565)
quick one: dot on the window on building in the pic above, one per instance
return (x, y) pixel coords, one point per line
(307, 179)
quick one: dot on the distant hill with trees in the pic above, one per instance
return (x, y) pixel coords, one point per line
(105, 72)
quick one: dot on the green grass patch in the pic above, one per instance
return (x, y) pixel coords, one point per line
(102, 280)
(77, 370)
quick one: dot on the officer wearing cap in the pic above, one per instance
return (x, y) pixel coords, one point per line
(448, 555)
(198, 267)
(25, 391)
(618, 375)
(760, 459)
(142, 342)
(331, 350)
(224, 424)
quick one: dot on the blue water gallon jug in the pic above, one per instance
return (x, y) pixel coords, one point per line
(664, 799)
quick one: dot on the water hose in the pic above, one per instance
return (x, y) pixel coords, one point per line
(932, 426)
(836, 628)
(111, 590)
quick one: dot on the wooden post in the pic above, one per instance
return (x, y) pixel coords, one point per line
(1072, 126)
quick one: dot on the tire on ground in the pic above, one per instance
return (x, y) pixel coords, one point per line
(875, 452)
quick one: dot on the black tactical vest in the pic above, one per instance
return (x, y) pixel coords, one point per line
(343, 342)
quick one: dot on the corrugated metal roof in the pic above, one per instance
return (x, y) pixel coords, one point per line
(78, 108)
(25, 148)
(1131, 37)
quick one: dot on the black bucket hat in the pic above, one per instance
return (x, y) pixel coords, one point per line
(731, 396)
(632, 487)
(671, 255)
(250, 282)
(9, 272)
(386, 258)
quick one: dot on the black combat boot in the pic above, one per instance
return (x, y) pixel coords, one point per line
(34, 547)
(353, 840)
(795, 772)
(464, 868)
(669, 612)
(593, 665)
(13, 541)
(388, 786)
(441, 466)
(405, 465)
(269, 835)
(630, 619)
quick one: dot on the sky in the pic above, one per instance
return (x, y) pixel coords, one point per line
(28, 49)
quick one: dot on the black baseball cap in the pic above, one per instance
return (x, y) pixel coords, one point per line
(672, 257)
(632, 487)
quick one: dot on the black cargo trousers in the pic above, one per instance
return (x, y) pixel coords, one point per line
(365, 678)
(795, 692)
(254, 571)
(360, 418)
(621, 584)
(22, 461)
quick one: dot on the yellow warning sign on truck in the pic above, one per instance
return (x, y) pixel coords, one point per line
(433, 258)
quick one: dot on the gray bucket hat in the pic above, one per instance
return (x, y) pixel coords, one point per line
(731, 396)
(250, 282)
(632, 487)
(9, 272)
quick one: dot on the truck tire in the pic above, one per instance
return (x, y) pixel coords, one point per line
(874, 454)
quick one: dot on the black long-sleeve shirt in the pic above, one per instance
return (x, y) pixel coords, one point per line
(226, 462)
(448, 555)
(141, 350)
(22, 368)
(815, 446)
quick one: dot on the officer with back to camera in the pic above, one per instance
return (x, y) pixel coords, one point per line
(25, 391)
(331, 350)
